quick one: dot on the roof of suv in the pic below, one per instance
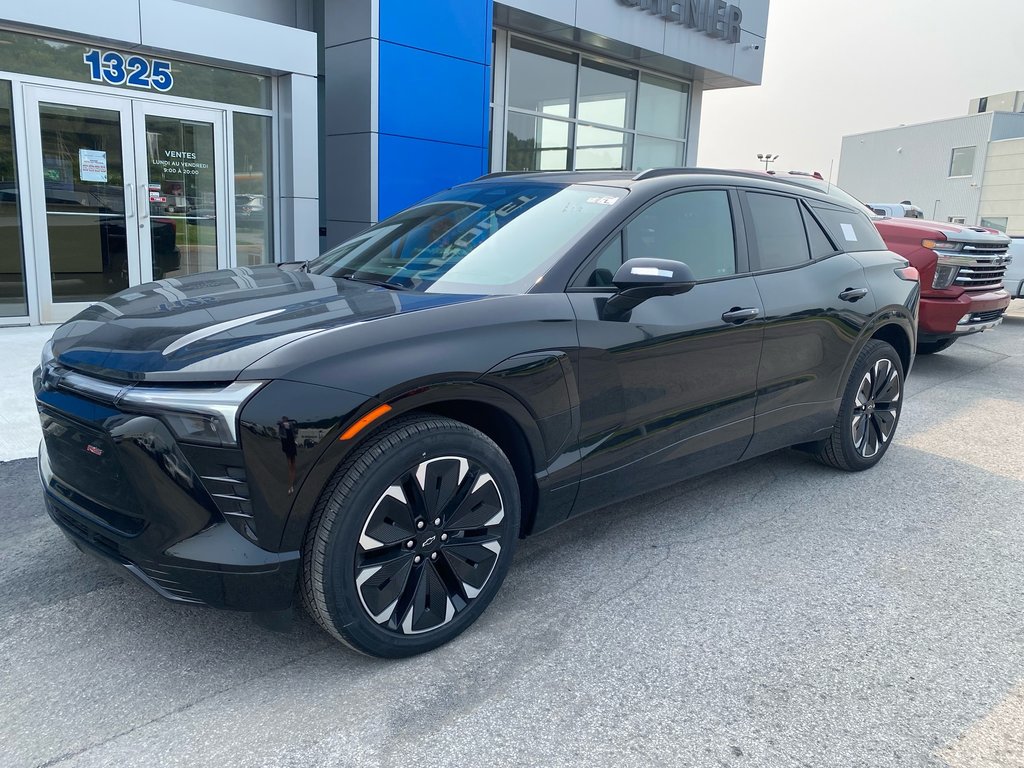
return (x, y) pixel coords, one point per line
(628, 179)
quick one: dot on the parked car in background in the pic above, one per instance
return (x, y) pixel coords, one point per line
(897, 210)
(962, 269)
(377, 427)
(1014, 280)
(249, 205)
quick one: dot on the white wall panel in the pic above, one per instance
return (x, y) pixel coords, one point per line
(107, 19)
(912, 163)
(220, 36)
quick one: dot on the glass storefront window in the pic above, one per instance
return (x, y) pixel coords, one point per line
(12, 262)
(600, 149)
(538, 144)
(592, 98)
(253, 198)
(32, 55)
(607, 94)
(649, 153)
(541, 79)
(661, 106)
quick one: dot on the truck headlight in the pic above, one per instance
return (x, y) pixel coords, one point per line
(204, 416)
(945, 274)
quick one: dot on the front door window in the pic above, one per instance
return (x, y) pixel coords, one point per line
(124, 191)
(12, 262)
(182, 196)
(84, 187)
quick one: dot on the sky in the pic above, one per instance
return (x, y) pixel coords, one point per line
(837, 67)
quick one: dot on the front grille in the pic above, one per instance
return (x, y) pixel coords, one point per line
(980, 276)
(986, 317)
(104, 544)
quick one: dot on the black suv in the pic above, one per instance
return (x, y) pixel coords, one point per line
(374, 429)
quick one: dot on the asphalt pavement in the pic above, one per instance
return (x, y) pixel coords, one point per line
(777, 613)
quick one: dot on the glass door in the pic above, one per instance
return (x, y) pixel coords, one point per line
(124, 191)
(182, 214)
(82, 183)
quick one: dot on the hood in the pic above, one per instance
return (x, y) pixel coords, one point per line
(210, 326)
(923, 229)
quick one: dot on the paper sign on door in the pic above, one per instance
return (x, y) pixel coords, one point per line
(92, 165)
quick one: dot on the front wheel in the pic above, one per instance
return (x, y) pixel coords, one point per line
(931, 347)
(870, 411)
(411, 538)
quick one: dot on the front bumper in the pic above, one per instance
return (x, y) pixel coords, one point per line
(940, 317)
(214, 565)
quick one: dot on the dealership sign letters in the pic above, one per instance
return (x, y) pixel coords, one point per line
(715, 18)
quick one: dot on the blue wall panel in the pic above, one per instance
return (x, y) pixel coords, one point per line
(459, 28)
(411, 169)
(429, 96)
(434, 97)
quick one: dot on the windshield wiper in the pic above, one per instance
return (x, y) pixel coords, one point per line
(294, 266)
(378, 283)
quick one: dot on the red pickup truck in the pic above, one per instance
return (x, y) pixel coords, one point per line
(961, 269)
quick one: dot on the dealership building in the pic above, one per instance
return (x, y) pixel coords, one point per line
(149, 139)
(964, 170)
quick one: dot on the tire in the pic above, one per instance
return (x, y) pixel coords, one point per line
(869, 413)
(434, 483)
(931, 347)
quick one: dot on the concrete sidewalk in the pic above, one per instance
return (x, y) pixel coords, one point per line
(19, 422)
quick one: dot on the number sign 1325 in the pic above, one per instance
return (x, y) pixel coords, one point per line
(136, 71)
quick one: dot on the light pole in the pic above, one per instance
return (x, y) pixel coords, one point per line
(767, 158)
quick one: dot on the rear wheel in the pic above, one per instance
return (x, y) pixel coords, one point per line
(869, 413)
(412, 538)
(931, 347)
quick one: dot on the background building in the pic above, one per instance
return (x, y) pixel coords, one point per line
(968, 170)
(148, 139)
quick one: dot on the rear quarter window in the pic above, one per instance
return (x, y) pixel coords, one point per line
(851, 230)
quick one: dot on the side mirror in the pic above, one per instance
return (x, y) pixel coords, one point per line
(641, 279)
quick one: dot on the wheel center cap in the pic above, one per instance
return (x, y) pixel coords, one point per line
(429, 541)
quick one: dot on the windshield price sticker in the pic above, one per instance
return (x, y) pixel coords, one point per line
(134, 71)
(603, 200)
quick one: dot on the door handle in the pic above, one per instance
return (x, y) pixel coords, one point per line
(143, 204)
(739, 315)
(853, 294)
(130, 189)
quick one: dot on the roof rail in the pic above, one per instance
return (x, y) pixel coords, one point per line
(500, 174)
(657, 173)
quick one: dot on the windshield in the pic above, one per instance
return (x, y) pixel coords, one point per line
(832, 191)
(494, 238)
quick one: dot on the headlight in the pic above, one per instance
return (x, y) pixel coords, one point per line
(47, 353)
(205, 416)
(945, 274)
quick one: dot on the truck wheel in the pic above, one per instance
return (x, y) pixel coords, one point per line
(931, 347)
(411, 538)
(869, 413)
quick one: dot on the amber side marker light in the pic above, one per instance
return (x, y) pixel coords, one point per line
(368, 419)
(909, 273)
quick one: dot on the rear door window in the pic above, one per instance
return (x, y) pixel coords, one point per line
(821, 246)
(778, 229)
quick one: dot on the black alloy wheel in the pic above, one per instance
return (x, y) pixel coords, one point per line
(869, 413)
(876, 408)
(429, 545)
(412, 537)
